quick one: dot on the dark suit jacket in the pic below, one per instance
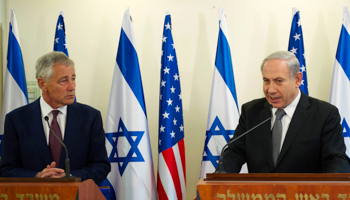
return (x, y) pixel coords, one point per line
(25, 151)
(314, 142)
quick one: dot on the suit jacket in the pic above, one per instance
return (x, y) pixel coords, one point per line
(25, 151)
(314, 142)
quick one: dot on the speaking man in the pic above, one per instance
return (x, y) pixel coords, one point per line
(29, 148)
(303, 136)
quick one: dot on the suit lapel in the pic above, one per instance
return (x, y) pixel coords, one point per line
(299, 117)
(35, 127)
(73, 123)
(266, 133)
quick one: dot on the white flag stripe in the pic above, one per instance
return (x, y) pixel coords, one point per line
(123, 191)
(347, 144)
(180, 170)
(166, 178)
(15, 92)
(342, 84)
(170, 187)
(221, 95)
(13, 97)
(127, 103)
(346, 20)
(207, 167)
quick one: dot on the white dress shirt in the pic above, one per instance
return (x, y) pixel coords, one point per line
(287, 118)
(61, 117)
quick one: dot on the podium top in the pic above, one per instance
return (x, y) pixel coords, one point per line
(279, 177)
(40, 180)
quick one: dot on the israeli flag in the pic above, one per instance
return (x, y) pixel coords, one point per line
(340, 88)
(127, 136)
(223, 109)
(15, 85)
(296, 46)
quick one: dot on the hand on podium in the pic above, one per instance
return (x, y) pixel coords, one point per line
(51, 172)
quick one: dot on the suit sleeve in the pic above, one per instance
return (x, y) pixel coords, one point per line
(234, 155)
(334, 158)
(98, 165)
(11, 164)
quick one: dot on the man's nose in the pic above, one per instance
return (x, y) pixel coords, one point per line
(272, 88)
(71, 85)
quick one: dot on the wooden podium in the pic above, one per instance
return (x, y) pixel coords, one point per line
(274, 186)
(48, 189)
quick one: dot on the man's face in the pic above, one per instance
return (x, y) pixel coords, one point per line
(280, 90)
(60, 90)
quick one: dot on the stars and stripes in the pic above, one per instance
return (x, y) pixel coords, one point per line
(171, 182)
(127, 136)
(340, 88)
(60, 43)
(15, 85)
(296, 46)
(223, 109)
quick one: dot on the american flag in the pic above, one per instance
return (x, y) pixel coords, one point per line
(60, 43)
(171, 161)
(60, 35)
(296, 46)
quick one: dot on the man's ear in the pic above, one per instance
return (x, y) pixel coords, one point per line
(42, 84)
(298, 79)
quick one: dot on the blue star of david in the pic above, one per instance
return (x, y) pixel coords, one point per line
(225, 133)
(134, 154)
(346, 129)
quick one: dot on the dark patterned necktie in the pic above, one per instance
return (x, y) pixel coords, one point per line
(277, 135)
(54, 144)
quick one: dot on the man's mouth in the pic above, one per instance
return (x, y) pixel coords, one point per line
(274, 99)
(71, 96)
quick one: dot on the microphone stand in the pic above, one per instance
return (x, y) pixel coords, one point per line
(220, 168)
(65, 148)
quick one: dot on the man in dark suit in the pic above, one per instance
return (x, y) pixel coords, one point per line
(310, 138)
(30, 150)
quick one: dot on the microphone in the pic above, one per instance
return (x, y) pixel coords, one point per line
(65, 148)
(220, 168)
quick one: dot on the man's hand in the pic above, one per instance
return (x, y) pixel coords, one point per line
(51, 172)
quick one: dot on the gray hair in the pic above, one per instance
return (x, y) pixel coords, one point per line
(292, 61)
(44, 65)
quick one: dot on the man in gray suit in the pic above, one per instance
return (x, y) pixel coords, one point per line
(307, 136)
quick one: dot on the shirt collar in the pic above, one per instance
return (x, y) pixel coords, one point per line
(46, 108)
